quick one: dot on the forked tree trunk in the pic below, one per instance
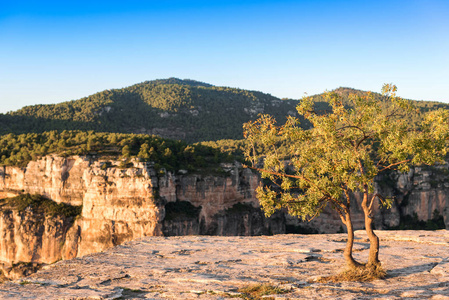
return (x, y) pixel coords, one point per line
(350, 261)
(373, 258)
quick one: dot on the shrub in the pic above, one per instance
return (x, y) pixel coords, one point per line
(362, 273)
(260, 290)
(40, 203)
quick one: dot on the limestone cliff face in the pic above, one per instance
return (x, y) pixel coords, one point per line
(217, 196)
(58, 178)
(122, 204)
(32, 237)
(118, 205)
(423, 191)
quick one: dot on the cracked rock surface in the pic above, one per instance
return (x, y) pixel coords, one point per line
(216, 267)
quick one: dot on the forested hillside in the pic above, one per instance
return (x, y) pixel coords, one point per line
(172, 108)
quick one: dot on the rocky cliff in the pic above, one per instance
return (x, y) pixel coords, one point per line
(419, 196)
(122, 204)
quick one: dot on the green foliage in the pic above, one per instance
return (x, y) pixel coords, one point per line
(172, 155)
(126, 151)
(234, 147)
(176, 108)
(349, 144)
(39, 203)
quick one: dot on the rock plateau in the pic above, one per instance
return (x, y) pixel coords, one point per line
(123, 204)
(206, 267)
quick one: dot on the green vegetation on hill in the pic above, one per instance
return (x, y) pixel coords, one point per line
(124, 122)
(232, 147)
(168, 154)
(413, 117)
(173, 108)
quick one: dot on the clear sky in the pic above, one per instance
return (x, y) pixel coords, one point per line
(54, 51)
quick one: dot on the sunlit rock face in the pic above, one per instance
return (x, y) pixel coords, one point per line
(122, 204)
(30, 237)
(58, 178)
(423, 191)
(118, 205)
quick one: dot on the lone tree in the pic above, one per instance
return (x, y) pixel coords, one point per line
(346, 147)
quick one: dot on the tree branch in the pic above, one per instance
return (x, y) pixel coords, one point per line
(278, 174)
(350, 126)
(347, 198)
(395, 164)
(362, 140)
(381, 198)
(318, 210)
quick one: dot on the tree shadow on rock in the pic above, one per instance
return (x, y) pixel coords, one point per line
(415, 269)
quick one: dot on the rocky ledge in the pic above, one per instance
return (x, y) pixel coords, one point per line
(217, 267)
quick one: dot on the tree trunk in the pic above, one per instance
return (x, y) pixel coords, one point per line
(350, 261)
(373, 258)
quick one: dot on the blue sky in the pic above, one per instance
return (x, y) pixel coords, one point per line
(54, 51)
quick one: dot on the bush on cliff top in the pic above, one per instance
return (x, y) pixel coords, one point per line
(18, 150)
(40, 203)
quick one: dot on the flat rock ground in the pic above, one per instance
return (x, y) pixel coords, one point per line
(211, 267)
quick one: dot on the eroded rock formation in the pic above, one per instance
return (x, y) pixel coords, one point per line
(423, 193)
(122, 204)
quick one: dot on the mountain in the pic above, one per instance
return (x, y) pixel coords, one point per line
(172, 108)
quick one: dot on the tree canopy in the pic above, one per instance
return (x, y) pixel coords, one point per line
(349, 144)
(172, 155)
